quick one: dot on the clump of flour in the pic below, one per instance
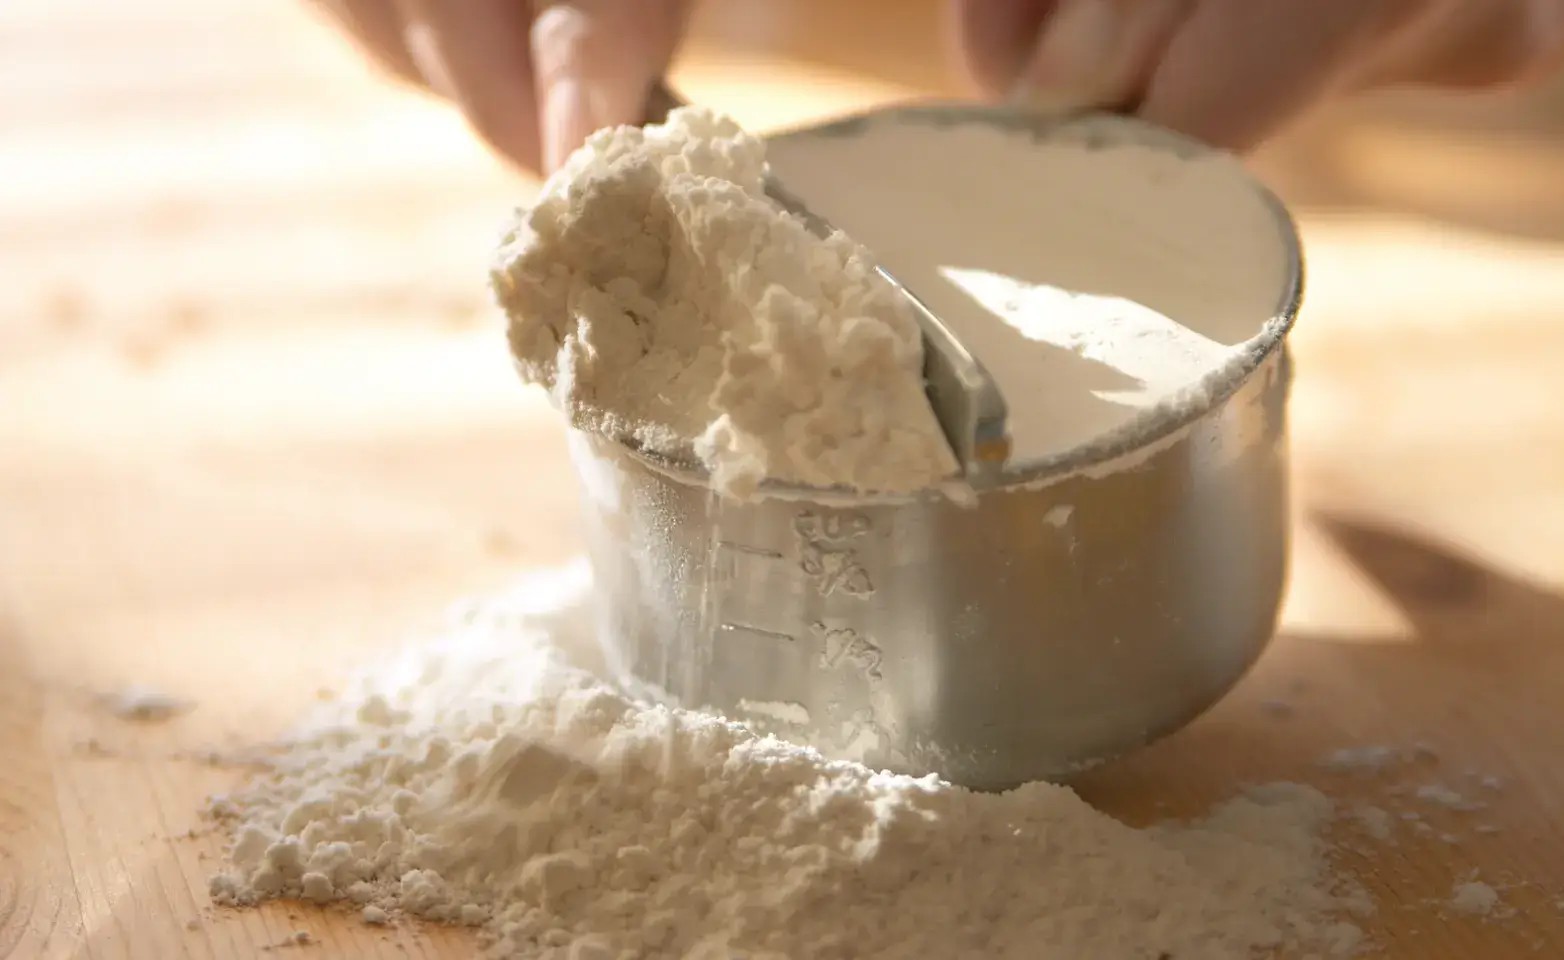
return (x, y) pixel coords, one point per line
(144, 704)
(487, 778)
(664, 299)
(1474, 898)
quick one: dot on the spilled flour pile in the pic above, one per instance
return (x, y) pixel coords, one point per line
(664, 299)
(487, 778)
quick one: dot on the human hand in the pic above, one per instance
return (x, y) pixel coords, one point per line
(534, 78)
(1232, 72)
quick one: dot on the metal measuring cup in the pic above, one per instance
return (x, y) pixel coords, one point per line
(1083, 606)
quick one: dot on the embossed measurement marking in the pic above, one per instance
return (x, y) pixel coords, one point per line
(728, 552)
(844, 646)
(746, 548)
(830, 527)
(824, 556)
(772, 635)
(835, 570)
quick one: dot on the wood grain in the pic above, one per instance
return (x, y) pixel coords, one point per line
(256, 425)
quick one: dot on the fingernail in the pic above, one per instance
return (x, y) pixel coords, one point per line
(568, 120)
(1074, 59)
(1030, 97)
(424, 51)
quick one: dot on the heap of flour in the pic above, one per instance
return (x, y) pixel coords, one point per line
(665, 300)
(487, 779)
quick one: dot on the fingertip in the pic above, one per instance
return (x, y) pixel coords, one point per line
(509, 127)
(994, 39)
(568, 120)
(1101, 53)
(595, 64)
(567, 110)
(1233, 134)
(378, 27)
(1225, 79)
(477, 56)
(1233, 123)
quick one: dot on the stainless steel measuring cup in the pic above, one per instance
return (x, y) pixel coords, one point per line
(1082, 607)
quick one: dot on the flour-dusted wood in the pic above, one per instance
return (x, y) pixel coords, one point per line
(256, 426)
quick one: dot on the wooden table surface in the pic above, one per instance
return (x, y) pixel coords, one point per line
(257, 424)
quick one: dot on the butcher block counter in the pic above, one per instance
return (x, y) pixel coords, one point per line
(257, 426)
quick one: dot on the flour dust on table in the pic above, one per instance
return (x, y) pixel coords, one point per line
(486, 777)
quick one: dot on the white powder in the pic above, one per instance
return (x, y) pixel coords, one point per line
(1473, 898)
(486, 778)
(1375, 821)
(1441, 795)
(1277, 708)
(298, 938)
(1371, 760)
(144, 704)
(665, 300)
(1095, 282)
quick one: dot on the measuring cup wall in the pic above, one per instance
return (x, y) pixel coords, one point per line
(1053, 625)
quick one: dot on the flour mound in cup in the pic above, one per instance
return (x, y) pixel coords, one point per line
(666, 301)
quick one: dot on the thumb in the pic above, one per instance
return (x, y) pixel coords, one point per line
(594, 62)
